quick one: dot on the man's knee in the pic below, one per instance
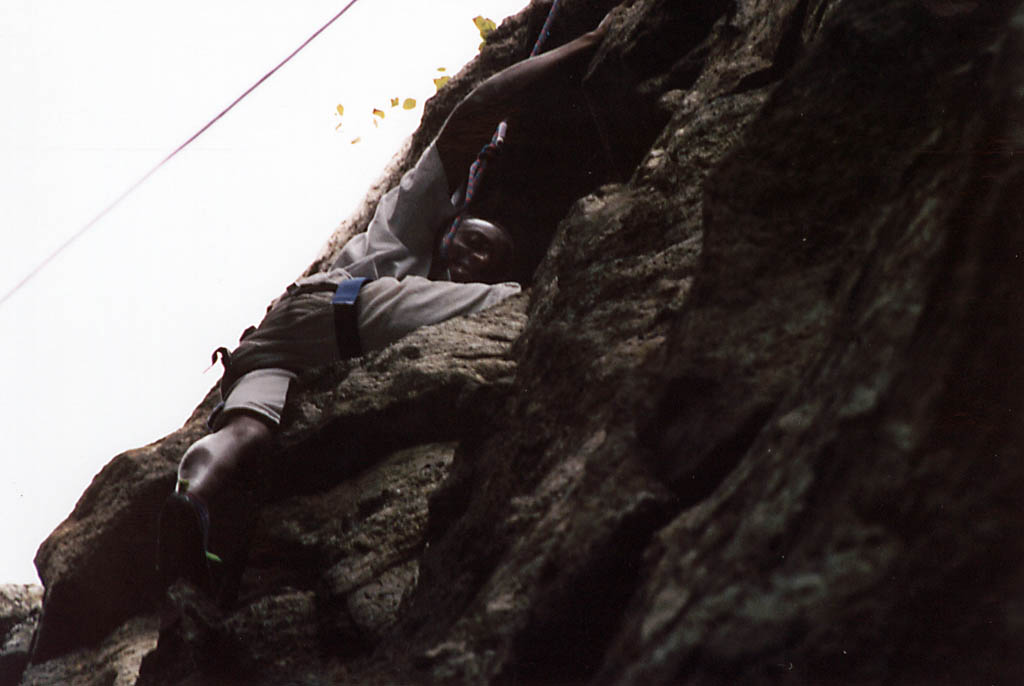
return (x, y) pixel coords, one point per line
(196, 460)
(240, 434)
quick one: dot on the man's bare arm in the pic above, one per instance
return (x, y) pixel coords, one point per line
(503, 96)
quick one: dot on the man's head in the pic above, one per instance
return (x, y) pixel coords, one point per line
(480, 251)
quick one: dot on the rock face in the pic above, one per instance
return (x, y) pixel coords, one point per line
(19, 614)
(758, 420)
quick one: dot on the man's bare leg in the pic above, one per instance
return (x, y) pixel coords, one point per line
(214, 460)
(208, 473)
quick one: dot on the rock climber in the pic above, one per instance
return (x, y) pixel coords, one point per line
(393, 278)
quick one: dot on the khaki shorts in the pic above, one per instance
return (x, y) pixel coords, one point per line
(304, 329)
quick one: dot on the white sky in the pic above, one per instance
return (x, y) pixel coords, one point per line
(105, 350)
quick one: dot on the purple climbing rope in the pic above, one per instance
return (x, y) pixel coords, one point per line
(545, 30)
(489, 151)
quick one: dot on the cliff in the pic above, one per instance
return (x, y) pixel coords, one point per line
(758, 419)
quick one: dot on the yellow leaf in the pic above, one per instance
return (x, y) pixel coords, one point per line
(440, 81)
(378, 113)
(441, 69)
(356, 139)
(375, 124)
(410, 103)
(484, 25)
(394, 102)
(341, 109)
(338, 126)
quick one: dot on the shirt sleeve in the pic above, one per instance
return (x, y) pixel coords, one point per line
(400, 238)
(388, 309)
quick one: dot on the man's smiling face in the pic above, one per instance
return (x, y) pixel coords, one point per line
(480, 252)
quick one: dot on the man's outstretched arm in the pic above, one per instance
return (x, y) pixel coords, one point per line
(503, 96)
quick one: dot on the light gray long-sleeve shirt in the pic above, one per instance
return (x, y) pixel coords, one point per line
(397, 250)
(395, 253)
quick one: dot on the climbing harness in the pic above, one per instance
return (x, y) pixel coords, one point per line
(491, 150)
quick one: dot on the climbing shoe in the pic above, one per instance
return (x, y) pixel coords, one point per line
(234, 510)
(183, 535)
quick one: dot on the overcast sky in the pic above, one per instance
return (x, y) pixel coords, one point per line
(105, 350)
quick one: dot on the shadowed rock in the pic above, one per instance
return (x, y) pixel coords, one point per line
(758, 420)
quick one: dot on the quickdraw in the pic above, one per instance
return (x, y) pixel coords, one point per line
(491, 150)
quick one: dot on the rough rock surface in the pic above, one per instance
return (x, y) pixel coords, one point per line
(19, 615)
(757, 421)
